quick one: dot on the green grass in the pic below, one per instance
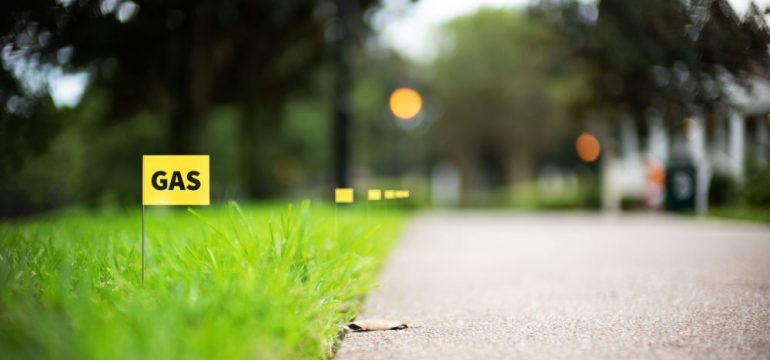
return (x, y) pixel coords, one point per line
(746, 213)
(222, 282)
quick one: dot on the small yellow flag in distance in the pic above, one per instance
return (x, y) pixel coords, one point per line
(390, 194)
(402, 194)
(374, 194)
(175, 180)
(343, 195)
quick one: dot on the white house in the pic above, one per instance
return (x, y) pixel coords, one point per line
(724, 149)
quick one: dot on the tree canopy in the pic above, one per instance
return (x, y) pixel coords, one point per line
(506, 83)
(670, 57)
(181, 59)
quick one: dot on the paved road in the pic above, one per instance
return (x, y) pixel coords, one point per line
(493, 285)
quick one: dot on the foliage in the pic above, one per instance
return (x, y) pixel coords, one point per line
(180, 61)
(507, 85)
(723, 190)
(746, 213)
(384, 144)
(757, 191)
(222, 283)
(661, 57)
(85, 162)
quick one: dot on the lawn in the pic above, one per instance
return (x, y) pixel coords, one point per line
(746, 213)
(265, 281)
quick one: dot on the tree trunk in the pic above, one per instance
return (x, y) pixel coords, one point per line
(258, 181)
(342, 103)
(464, 163)
(520, 165)
(191, 84)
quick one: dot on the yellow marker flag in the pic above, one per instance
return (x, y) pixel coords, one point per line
(375, 194)
(343, 195)
(390, 194)
(175, 180)
(402, 194)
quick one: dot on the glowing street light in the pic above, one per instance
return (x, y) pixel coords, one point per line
(405, 103)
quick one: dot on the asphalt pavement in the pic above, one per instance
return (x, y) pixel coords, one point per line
(510, 285)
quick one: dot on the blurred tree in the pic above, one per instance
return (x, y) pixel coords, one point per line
(506, 84)
(383, 144)
(669, 57)
(181, 58)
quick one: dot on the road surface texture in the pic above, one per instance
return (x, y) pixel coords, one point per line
(496, 285)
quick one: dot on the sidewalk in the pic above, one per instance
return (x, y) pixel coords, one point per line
(497, 285)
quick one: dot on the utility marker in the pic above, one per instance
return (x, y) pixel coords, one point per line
(374, 194)
(341, 196)
(174, 180)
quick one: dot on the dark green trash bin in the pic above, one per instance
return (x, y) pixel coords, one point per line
(680, 187)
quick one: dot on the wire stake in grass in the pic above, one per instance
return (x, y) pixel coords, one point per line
(341, 196)
(143, 236)
(155, 192)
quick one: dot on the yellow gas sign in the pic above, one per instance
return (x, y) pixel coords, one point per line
(175, 180)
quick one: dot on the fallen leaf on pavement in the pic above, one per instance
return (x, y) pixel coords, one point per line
(376, 325)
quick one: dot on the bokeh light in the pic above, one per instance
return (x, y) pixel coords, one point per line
(656, 172)
(587, 147)
(405, 103)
